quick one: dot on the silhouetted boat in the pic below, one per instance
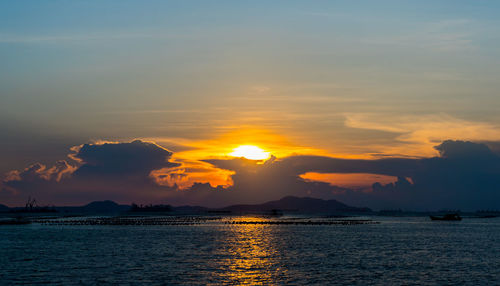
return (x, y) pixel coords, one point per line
(451, 217)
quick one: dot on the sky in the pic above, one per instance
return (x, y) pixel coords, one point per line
(362, 83)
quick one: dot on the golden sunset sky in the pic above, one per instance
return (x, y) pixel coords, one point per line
(351, 80)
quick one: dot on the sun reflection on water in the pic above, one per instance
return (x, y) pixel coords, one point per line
(249, 256)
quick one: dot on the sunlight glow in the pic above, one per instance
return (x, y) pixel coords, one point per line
(355, 181)
(250, 152)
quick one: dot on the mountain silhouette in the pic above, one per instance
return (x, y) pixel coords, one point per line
(300, 205)
(100, 207)
(104, 206)
(286, 204)
(4, 208)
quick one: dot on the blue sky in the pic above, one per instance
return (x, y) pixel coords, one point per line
(350, 79)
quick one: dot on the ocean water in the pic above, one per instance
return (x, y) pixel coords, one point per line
(398, 251)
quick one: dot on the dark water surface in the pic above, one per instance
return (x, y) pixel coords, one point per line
(395, 252)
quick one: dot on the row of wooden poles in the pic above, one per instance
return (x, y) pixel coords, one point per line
(195, 221)
(281, 222)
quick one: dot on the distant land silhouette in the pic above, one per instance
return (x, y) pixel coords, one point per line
(300, 205)
(464, 175)
(4, 208)
(97, 207)
(287, 204)
(93, 207)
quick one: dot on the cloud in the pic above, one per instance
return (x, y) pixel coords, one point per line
(451, 35)
(39, 171)
(464, 175)
(118, 170)
(464, 150)
(136, 158)
(417, 135)
(276, 178)
(190, 172)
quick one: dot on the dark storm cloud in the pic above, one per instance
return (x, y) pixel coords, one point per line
(493, 146)
(296, 165)
(465, 150)
(119, 170)
(466, 175)
(112, 159)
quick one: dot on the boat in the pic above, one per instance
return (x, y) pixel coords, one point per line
(449, 217)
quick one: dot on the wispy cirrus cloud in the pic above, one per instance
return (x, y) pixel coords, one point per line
(438, 36)
(417, 135)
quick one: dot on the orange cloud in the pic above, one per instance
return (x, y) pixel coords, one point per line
(417, 135)
(191, 172)
(193, 169)
(354, 181)
(221, 146)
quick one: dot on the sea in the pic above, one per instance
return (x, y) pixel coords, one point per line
(389, 251)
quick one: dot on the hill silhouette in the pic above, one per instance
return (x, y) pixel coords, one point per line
(296, 204)
(104, 206)
(286, 204)
(4, 208)
(100, 207)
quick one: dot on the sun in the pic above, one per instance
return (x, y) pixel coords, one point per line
(250, 152)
